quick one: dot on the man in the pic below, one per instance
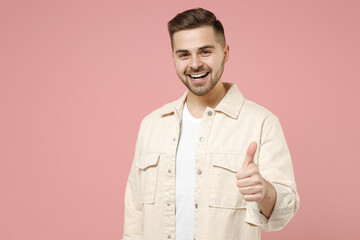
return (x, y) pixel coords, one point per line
(211, 165)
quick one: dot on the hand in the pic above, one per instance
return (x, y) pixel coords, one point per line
(249, 181)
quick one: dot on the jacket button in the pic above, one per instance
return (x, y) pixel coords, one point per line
(174, 139)
(199, 172)
(169, 236)
(210, 113)
(196, 205)
(202, 139)
(168, 203)
(169, 171)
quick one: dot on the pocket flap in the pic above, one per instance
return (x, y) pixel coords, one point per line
(148, 159)
(232, 162)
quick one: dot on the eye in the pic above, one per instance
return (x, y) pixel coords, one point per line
(183, 55)
(205, 52)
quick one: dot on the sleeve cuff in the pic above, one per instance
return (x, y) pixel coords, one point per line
(284, 209)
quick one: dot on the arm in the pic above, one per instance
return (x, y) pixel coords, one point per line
(133, 215)
(274, 201)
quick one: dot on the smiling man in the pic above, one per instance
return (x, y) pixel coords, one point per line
(211, 165)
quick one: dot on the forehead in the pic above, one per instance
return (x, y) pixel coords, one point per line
(191, 39)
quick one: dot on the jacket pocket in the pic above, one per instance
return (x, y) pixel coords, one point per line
(223, 190)
(148, 165)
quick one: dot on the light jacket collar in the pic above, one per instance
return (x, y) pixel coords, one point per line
(230, 104)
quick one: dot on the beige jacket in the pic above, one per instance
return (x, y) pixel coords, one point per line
(220, 212)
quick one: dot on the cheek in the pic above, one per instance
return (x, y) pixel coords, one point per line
(180, 67)
(211, 63)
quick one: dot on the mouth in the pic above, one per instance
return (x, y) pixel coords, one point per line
(198, 76)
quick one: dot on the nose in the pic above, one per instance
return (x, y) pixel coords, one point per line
(195, 62)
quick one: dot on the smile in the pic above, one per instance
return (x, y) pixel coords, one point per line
(198, 76)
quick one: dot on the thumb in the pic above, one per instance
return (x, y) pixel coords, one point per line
(250, 154)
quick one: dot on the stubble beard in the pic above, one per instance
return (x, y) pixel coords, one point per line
(201, 91)
(204, 91)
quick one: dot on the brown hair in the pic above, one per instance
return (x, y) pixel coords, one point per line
(194, 18)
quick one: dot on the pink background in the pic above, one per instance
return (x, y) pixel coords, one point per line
(77, 77)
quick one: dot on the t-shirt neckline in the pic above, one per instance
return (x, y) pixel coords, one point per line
(188, 115)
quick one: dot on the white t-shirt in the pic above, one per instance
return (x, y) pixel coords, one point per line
(185, 176)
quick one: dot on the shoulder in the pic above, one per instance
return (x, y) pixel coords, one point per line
(254, 110)
(156, 115)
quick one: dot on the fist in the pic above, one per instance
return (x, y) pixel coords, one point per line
(249, 181)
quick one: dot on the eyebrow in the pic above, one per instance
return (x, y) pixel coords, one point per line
(200, 48)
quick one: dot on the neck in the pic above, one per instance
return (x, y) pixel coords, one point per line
(197, 104)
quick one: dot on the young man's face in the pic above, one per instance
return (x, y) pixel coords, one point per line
(199, 59)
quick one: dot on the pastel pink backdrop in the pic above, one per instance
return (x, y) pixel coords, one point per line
(78, 76)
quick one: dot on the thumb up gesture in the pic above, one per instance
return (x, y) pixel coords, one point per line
(249, 181)
(253, 186)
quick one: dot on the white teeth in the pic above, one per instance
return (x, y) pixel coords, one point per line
(200, 75)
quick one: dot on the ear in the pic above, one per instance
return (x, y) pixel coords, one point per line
(226, 52)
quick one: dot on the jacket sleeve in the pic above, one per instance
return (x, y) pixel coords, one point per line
(274, 162)
(133, 213)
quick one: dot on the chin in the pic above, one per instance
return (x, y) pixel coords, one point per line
(200, 91)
